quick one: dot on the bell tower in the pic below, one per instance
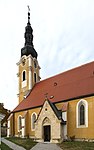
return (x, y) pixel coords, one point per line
(28, 67)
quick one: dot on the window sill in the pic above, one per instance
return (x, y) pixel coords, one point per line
(24, 83)
(82, 126)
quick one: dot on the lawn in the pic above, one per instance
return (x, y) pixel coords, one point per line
(77, 145)
(27, 143)
(4, 147)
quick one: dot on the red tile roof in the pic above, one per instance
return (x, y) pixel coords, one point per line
(67, 85)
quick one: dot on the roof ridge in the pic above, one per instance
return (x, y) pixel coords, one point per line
(80, 66)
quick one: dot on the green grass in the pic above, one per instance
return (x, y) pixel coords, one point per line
(4, 147)
(27, 143)
(77, 145)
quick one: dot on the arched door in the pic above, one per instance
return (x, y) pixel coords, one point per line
(47, 133)
(46, 129)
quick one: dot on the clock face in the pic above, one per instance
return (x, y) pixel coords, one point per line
(24, 51)
(23, 61)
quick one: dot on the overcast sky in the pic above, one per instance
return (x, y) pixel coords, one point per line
(63, 38)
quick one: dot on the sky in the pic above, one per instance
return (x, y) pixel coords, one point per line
(63, 38)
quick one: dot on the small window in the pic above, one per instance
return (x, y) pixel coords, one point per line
(35, 64)
(35, 77)
(34, 117)
(24, 75)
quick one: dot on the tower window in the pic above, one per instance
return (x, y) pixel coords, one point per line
(35, 77)
(24, 81)
(24, 75)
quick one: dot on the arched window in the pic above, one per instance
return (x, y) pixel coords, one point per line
(82, 114)
(19, 123)
(24, 76)
(33, 119)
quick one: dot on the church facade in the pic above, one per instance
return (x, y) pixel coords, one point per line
(54, 109)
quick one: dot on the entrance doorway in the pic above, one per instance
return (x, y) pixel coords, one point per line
(47, 133)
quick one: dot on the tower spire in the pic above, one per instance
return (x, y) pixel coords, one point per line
(28, 46)
(28, 14)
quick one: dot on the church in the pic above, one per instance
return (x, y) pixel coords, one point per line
(55, 109)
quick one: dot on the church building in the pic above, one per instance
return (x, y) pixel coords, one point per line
(55, 109)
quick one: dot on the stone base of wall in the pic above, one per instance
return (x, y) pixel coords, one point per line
(87, 140)
(56, 140)
(39, 140)
(32, 137)
(51, 141)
